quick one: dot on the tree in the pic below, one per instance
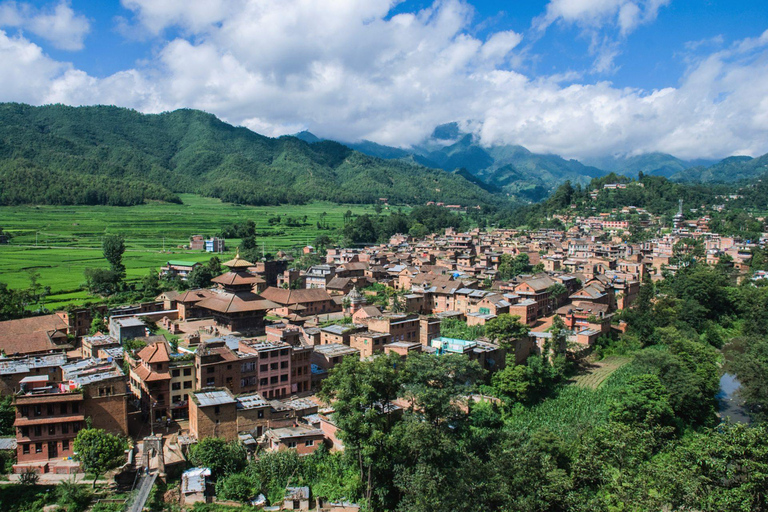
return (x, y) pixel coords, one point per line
(359, 390)
(98, 325)
(512, 381)
(720, 469)
(506, 328)
(749, 360)
(150, 284)
(7, 416)
(221, 457)
(99, 451)
(101, 281)
(556, 291)
(113, 248)
(436, 386)
(200, 277)
(643, 402)
(13, 303)
(418, 230)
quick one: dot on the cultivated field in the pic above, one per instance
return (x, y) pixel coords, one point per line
(59, 242)
(595, 373)
(574, 409)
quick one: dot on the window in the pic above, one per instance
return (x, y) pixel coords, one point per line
(63, 408)
(24, 410)
(216, 409)
(263, 367)
(175, 386)
(284, 378)
(273, 380)
(75, 408)
(248, 367)
(284, 352)
(51, 430)
(176, 399)
(25, 449)
(176, 373)
(209, 369)
(65, 445)
(273, 366)
(310, 442)
(284, 364)
(38, 410)
(65, 428)
(260, 414)
(50, 410)
(76, 427)
(38, 447)
(229, 367)
(210, 382)
(273, 354)
(188, 384)
(264, 381)
(291, 444)
(187, 372)
(38, 430)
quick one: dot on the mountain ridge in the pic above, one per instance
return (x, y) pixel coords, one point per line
(57, 154)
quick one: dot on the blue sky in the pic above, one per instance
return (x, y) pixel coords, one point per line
(579, 78)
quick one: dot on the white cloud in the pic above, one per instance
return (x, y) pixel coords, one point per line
(605, 22)
(346, 69)
(58, 24)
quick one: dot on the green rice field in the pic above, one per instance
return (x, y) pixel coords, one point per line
(59, 242)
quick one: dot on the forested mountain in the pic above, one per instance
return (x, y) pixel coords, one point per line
(108, 155)
(735, 168)
(654, 164)
(509, 168)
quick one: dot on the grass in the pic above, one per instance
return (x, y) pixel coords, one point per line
(597, 373)
(26, 498)
(59, 242)
(574, 409)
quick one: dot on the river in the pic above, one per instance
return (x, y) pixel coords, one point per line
(731, 406)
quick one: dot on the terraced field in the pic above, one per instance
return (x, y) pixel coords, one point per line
(596, 373)
(59, 242)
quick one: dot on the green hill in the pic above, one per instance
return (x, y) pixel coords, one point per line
(731, 169)
(108, 155)
(511, 169)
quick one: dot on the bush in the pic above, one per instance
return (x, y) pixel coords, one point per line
(237, 487)
(29, 477)
(73, 497)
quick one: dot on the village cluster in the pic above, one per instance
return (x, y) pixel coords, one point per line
(249, 353)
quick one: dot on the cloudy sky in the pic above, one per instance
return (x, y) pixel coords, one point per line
(579, 78)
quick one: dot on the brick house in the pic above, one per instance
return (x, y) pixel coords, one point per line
(302, 438)
(213, 413)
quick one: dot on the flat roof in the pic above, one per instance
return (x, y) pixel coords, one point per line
(335, 349)
(251, 401)
(208, 398)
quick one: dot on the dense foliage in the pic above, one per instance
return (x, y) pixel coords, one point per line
(107, 155)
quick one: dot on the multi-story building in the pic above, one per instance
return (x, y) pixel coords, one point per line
(247, 365)
(48, 418)
(399, 327)
(49, 414)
